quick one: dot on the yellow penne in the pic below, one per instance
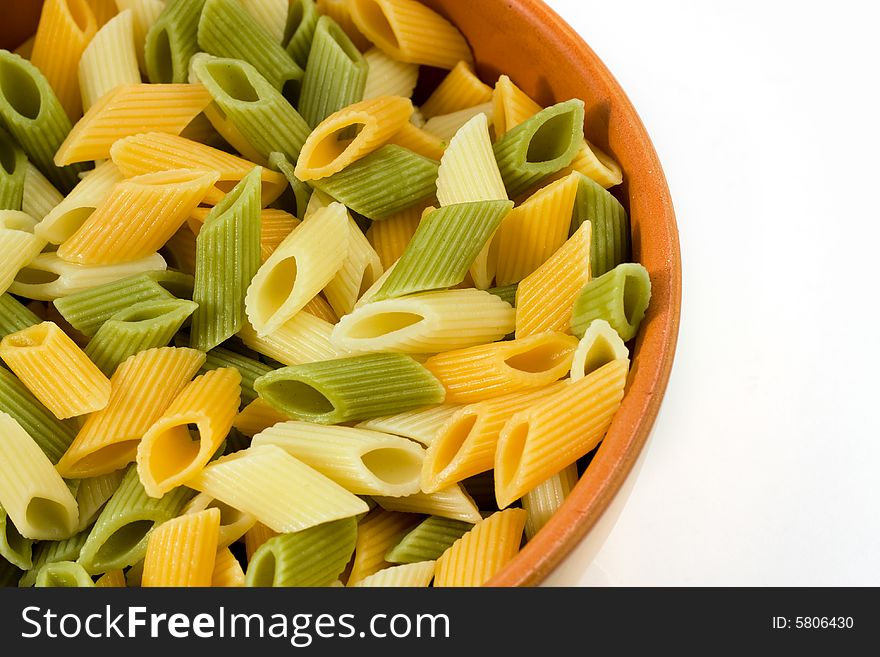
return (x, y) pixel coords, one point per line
(141, 389)
(255, 537)
(425, 323)
(445, 126)
(350, 134)
(278, 490)
(145, 13)
(64, 31)
(47, 277)
(256, 417)
(26, 49)
(270, 14)
(155, 206)
(360, 269)
(275, 226)
(155, 151)
(421, 425)
(389, 77)
(104, 10)
(409, 575)
(40, 196)
(340, 11)
(391, 236)
(182, 552)
(459, 90)
(109, 60)
(70, 214)
(233, 523)
(32, 492)
(303, 339)
(544, 299)
(302, 265)
(491, 370)
(170, 452)
(227, 570)
(478, 555)
(512, 106)
(535, 230)
(465, 445)
(544, 500)
(411, 32)
(56, 370)
(320, 308)
(600, 345)
(19, 246)
(377, 533)
(112, 579)
(594, 163)
(417, 140)
(130, 110)
(538, 442)
(453, 502)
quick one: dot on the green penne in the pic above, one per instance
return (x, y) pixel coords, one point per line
(250, 370)
(34, 116)
(226, 29)
(139, 327)
(428, 540)
(610, 244)
(383, 183)
(47, 552)
(51, 434)
(301, 191)
(302, 19)
(540, 146)
(13, 168)
(620, 297)
(506, 293)
(93, 494)
(444, 247)
(335, 76)
(119, 537)
(172, 40)
(227, 259)
(9, 574)
(257, 109)
(87, 311)
(14, 316)
(63, 574)
(355, 388)
(312, 557)
(14, 547)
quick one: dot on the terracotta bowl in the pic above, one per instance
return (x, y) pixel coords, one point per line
(546, 58)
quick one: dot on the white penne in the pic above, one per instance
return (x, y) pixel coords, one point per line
(144, 14)
(317, 201)
(270, 14)
(18, 245)
(233, 523)
(303, 339)
(452, 502)
(302, 265)
(281, 492)
(360, 269)
(31, 491)
(389, 77)
(410, 575)
(109, 60)
(545, 499)
(363, 462)
(48, 277)
(426, 323)
(601, 344)
(40, 196)
(71, 213)
(373, 290)
(421, 425)
(446, 125)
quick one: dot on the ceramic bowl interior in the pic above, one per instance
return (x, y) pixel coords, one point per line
(545, 57)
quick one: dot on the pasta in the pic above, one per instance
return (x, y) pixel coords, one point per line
(299, 30)
(428, 540)
(110, 60)
(18, 245)
(377, 532)
(360, 270)
(544, 500)
(172, 40)
(40, 196)
(227, 570)
(63, 574)
(13, 169)
(233, 523)
(420, 425)
(388, 77)
(182, 551)
(460, 89)
(93, 494)
(271, 15)
(144, 15)
(620, 297)
(415, 575)
(599, 345)
(303, 339)
(453, 502)
(14, 316)
(47, 552)
(249, 369)
(391, 236)
(445, 126)
(340, 11)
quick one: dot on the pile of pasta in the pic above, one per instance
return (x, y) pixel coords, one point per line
(267, 322)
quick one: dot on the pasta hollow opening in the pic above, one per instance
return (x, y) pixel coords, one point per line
(374, 16)
(33, 337)
(14, 539)
(301, 397)
(278, 287)
(378, 325)
(452, 441)
(551, 140)
(600, 353)
(263, 569)
(70, 222)
(20, 90)
(123, 540)
(173, 450)
(46, 516)
(60, 579)
(162, 56)
(145, 314)
(228, 515)
(329, 149)
(33, 276)
(393, 466)
(79, 13)
(118, 454)
(7, 158)
(632, 292)
(512, 454)
(233, 81)
(294, 19)
(540, 359)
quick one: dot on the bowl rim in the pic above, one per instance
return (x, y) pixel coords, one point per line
(617, 454)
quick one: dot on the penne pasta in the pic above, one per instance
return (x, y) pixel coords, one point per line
(376, 534)
(360, 270)
(414, 575)
(63, 574)
(271, 15)
(13, 170)
(391, 236)
(600, 345)
(256, 417)
(421, 425)
(144, 14)
(388, 77)
(544, 500)
(445, 126)
(234, 524)
(340, 12)
(460, 89)
(428, 540)
(419, 141)
(610, 225)
(299, 30)
(303, 339)
(18, 245)
(249, 369)
(453, 502)
(172, 40)
(92, 495)
(39, 196)
(182, 551)
(228, 572)
(110, 60)
(620, 297)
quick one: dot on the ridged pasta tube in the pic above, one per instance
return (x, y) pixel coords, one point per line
(13, 168)
(620, 297)
(172, 40)
(181, 552)
(299, 30)
(611, 238)
(428, 540)
(600, 345)
(63, 574)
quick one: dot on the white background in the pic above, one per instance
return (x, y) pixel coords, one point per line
(764, 465)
